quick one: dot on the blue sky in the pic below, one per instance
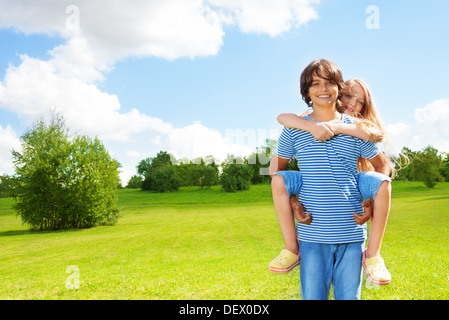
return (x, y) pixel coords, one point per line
(186, 76)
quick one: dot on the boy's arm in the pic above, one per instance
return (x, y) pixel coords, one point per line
(380, 164)
(320, 131)
(277, 164)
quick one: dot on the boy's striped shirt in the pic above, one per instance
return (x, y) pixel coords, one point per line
(329, 190)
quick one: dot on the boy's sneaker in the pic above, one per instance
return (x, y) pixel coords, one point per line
(375, 270)
(284, 262)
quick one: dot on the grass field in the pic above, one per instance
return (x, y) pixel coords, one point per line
(208, 244)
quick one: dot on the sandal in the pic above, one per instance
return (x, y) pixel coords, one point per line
(284, 262)
(375, 269)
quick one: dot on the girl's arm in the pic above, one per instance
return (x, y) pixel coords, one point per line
(320, 131)
(360, 131)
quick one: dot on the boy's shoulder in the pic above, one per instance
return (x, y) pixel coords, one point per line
(348, 119)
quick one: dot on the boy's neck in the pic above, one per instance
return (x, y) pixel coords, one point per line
(324, 115)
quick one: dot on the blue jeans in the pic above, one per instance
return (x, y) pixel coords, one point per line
(323, 265)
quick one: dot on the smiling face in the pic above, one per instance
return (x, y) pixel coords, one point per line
(323, 69)
(323, 92)
(353, 100)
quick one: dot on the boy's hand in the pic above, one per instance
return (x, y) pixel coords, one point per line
(322, 132)
(367, 212)
(298, 210)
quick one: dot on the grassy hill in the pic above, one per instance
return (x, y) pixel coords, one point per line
(208, 244)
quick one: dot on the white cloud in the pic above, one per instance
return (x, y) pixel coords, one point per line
(429, 128)
(156, 140)
(115, 30)
(133, 154)
(109, 31)
(162, 28)
(272, 17)
(8, 142)
(67, 83)
(125, 174)
(432, 121)
(99, 33)
(196, 140)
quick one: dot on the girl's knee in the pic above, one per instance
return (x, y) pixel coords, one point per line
(277, 183)
(384, 191)
(385, 186)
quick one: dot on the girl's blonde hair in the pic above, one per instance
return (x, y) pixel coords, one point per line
(369, 120)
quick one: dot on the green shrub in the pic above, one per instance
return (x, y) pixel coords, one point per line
(62, 182)
(236, 177)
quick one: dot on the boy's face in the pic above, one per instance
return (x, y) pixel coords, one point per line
(322, 92)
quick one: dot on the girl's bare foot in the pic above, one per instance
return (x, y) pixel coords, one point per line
(298, 210)
(367, 212)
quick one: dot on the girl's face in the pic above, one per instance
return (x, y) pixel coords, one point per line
(353, 100)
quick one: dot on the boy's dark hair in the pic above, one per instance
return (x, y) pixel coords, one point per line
(323, 68)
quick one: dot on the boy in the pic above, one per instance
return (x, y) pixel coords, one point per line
(331, 245)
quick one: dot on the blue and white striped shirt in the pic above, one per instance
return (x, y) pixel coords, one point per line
(329, 190)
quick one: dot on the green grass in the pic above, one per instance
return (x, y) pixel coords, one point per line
(208, 244)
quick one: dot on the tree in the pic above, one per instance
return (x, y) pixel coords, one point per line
(5, 187)
(159, 173)
(202, 174)
(62, 182)
(403, 163)
(135, 182)
(257, 167)
(165, 179)
(236, 177)
(444, 170)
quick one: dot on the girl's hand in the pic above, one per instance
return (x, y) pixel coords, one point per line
(322, 132)
(335, 127)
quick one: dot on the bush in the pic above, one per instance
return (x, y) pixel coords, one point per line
(159, 173)
(203, 175)
(236, 177)
(165, 179)
(426, 167)
(62, 182)
(135, 182)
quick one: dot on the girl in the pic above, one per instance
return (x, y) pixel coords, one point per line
(375, 187)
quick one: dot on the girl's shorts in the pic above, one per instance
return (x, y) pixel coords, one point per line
(368, 182)
(292, 181)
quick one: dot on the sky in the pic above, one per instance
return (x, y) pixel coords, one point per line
(209, 77)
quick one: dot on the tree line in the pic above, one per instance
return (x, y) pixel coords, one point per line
(63, 181)
(164, 173)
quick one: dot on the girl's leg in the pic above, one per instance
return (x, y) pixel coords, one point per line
(379, 219)
(283, 185)
(378, 186)
(283, 209)
(372, 261)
